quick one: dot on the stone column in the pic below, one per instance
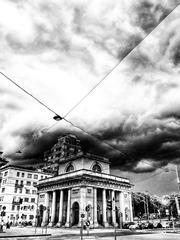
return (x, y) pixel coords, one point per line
(104, 208)
(46, 212)
(68, 209)
(53, 209)
(114, 209)
(95, 222)
(60, 208)
(130, 207)
(122, 208)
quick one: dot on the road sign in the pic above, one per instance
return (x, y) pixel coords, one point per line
(88, 223)
(87, 208)
(82, 215)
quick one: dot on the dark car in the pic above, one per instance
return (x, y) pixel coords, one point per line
(126, 225)
(159, 225)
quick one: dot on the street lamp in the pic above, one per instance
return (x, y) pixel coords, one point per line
(57, 117)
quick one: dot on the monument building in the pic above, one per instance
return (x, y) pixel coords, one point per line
(82, 188)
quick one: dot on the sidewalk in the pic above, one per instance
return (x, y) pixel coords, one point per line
(71, 233)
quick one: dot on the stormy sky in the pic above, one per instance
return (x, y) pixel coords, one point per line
(58, 50)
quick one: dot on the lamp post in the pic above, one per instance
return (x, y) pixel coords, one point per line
(176, 197)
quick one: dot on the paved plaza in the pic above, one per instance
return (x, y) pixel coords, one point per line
(19, 233)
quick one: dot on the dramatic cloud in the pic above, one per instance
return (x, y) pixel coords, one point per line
(59, 50)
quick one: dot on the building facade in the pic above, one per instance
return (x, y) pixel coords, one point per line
(83, 188)
(18, 193)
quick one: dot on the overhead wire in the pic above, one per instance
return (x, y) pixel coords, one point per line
(119, 62)
(88, 93)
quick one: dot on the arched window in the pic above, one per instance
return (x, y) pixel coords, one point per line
(70, 168)
(96, 168)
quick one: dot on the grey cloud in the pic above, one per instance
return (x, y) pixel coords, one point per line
(149, 14)
(132, 143)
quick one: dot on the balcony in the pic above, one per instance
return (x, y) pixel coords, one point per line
(19, 185)
(16, 202)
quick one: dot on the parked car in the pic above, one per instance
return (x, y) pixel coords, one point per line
(159, 225)
(127, 224)
(144, 225)
(134, 226)
(177, 224)
(167, 224)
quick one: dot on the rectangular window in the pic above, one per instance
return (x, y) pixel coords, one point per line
(32, 199)
(35, 176)
(27, 191)
(33, 191)
(21, 182)
(6, 173)
(29, 175)
(13, 207)
(3, 190)
(25, 207)
(31, 217)
(22, 174)
(89, 190)
(28, 183)
(17, 181)
(18, 207)
(26, 199)
(41, 177)
(42, 195)
(4, 181)
(34, 184)
(18, 174)
(20, 190)
(1, 199)
(11, 216)
(15, 190)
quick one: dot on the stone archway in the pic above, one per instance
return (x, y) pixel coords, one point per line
(75, 213)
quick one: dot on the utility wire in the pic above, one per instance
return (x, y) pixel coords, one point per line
(28, 93)
(88, 93)
(119, 62)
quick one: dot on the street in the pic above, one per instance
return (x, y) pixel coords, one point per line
(96, 234)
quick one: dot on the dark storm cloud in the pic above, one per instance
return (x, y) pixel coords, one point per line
(131, 145)
(149, 14)
(157, 142)
(175, 54)
(34, 144)
(70, 30)
(172, 112)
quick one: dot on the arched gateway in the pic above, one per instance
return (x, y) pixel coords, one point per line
(84, 187)
(75, 213)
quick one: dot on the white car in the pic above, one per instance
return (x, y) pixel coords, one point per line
(165, 224)
(134, 226)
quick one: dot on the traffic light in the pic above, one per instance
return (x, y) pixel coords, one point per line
(109, 204)
(87, 208)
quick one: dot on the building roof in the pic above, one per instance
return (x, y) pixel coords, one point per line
(81, 175)
(21, 168)
(85, 155)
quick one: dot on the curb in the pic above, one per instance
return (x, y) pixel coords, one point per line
(32, 235)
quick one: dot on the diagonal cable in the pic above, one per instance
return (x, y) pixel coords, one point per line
(119, 62)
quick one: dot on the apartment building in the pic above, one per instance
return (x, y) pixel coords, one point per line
(18, 193)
